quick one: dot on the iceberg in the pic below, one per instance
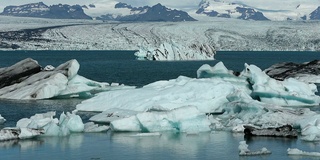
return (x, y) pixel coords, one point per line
(289, 92)
(297, 152)
(19, 133)
(67, 123)
(60, 82)
(173, 52)
(204, 93)
(2, 120)
(244, 151)
(112, 114)
(231, 100)
(186, 119)
(308, 72)
(310, 128)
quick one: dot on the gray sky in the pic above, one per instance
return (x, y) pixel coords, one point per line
(169, 3)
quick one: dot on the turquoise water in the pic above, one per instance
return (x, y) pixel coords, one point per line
(121, 67)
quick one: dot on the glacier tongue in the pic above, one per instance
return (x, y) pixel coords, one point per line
(174, 51)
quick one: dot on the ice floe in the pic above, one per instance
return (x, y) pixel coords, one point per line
(297, 152)
(2, 120)
(244, 151)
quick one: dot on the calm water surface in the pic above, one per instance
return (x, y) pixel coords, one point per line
(121, 67)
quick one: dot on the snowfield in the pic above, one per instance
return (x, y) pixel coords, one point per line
(224, 34)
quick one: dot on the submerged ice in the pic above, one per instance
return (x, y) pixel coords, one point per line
(218, 99)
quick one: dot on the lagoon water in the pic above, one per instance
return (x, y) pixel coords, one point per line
(121, 67)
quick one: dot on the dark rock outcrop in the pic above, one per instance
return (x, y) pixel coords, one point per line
(283, 131)
(18, 72)
(315, 15)
(155, 13)
(285, 70)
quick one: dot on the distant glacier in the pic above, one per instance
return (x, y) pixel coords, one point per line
(223, 34)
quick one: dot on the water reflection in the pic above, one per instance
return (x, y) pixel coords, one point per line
(175, 142)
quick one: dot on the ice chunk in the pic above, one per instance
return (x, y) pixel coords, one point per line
(19, 133)
(244, 151)
(310, 128)
(290, 92)
(207, 94)
(72, 122)
(2, 120)
(68, 123)
(48, 68)
(60, 82)
(206, 71)
(297, 152)
(112, 114)
(242, 109)
(26, 133)
(91, 127)
(184, 119)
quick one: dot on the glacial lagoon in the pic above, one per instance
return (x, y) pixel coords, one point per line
(121, 67)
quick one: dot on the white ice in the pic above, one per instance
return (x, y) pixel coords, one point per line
(61, 82)
(297, 152)
(112, 114)
(218, 32)
(67, 123)
(173, 51)
(252, 98)
(2, 120)
(186, 119)
(244, 151)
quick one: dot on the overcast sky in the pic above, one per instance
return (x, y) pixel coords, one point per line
(169, 3)
(183, 4)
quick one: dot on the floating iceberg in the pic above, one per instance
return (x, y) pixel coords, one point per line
(307, 72)
(173, 52)
(244, 151)
(67, 123)
(2, 120)
(297, 152)
(30, 82)
(204, 93)
(231, 99)
(19, 133)
(186, 119)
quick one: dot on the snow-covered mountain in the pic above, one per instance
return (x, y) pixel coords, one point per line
(260, 10)
(43, 11)
(119, 12)
(157, 12)
(315, 15)
(216, 8)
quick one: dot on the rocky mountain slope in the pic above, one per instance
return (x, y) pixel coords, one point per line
(41, 10)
